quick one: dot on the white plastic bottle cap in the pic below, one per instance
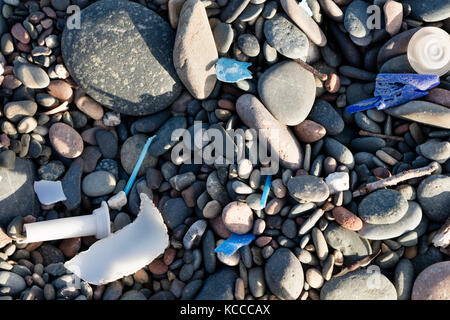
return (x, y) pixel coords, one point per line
(429, 51)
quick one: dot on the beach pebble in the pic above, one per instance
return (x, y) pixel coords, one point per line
(66, 140)
(309, 131)
(308, 188)
(433, 283)
(357, 285)
(284, 274)
(338, 181)
(434, 197)
(194, 35)
(290, 101)
(347, 219)
(347, 241)
(238, 217)
(98, 183)
(31, 75)
(383, 207)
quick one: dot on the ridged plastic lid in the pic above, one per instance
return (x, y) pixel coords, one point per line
(429, 51)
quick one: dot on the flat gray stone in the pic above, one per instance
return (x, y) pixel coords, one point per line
(308, 188)
(388, 231)
(383, 207)
(433, 194)
(122, 57)
(219, 285)
(17, 196)
(347, 241)
(359, 285)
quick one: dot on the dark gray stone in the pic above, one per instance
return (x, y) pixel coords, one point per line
(107, 142)
(286, 37)
(430, 10)
(433, 194)
(174, 211)
(383, 207)
(347, 241)
(132, 74)
(163, 140)
(340, 152)
(219, 286)
(71, 184)
(233, 9)
(17, 196)
(322, 112)
(13, 281)
(284, 274)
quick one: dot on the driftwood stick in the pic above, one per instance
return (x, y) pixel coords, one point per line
(382, 136)
(442, 237)
(359, 263)
(394, 180)
(321, 76)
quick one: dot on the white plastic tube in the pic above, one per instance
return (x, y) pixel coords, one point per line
(96, 224)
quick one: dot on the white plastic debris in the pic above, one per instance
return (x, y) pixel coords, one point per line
(96, 224)
(118, 200)
(111, 119)
(338, 181)
(304, 5)
(49, 192)
(126, 251)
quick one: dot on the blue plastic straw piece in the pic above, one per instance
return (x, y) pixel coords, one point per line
(138, 165)
(266, 190)
(234, 242)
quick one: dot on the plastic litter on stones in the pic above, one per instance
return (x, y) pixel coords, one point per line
(232, 71)
(234, 242)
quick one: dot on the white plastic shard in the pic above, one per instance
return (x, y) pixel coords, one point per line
(49, 192)
(126, 251)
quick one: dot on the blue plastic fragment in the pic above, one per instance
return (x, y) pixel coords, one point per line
(395, 89)
(138, 165)
(232, 71)
(266, 191)
(234, 242)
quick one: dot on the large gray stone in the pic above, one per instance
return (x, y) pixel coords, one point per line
(433, 194)
(122, 57)
(288, 91)
(359, 285)
(219, 286)
(17, 197)
(429, 10)
(347, 241)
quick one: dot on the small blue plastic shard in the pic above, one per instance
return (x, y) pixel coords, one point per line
(395, 89)
(234, 242)
(138, 165)
(266, 190)
(232, 71)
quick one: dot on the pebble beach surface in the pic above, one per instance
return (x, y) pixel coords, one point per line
(78, 105)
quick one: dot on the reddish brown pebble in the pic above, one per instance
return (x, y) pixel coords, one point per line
(180, 105)
(70, 247)
(60, 89)
(66, 140)
(157, 267)
(11, 82)
(309, 131)
(36, 16)
(29, 219)
(19, 32)
(439, 96)
(33, 246)
(49, 12)
(169, 256)
(433, 283)
(24, 47)
(263, 241)
(89, 135)
(47, 23)
(4, 140)
(381, 173)
(333, 83)
(141, 276)
(90, 156)
(299, 220)
(301, 172)
(410, 252)
(347, 219)
(238, 217)
(274, 206)
(219, 227)
(401, 129)
(88, 241)
(226, 104)
(98, 292)
(329, 97)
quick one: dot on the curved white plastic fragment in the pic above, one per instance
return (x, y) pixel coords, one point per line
(126, 251)
(49, 192)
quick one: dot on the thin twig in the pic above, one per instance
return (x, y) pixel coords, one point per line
(378, 135)
(394, 180)
(321, 76)
(357, 264)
